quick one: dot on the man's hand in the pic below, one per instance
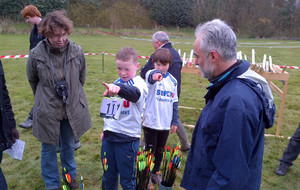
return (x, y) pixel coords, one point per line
(15, 133)
(111, 89)
(157, 77)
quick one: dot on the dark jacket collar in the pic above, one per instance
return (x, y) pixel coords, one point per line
(56, 50)
(222, 75)
(167, 45)
(233, 72)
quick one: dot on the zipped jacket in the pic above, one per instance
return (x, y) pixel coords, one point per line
(48, 108)
(228, 140)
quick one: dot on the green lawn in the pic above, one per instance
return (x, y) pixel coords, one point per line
(26, 174)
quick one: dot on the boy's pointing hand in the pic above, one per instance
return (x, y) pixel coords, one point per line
(111, 89)
(157, 77)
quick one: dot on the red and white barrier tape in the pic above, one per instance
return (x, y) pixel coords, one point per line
(12, 56)
(108, 33)
(93, 54)
(25, 56)
(289, 67)
(108, 54)
(143, 57)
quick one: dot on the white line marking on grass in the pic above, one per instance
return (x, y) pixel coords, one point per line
(266, 135)
(190, 108)
(284, 137)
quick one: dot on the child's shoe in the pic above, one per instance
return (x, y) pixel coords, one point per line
(150, 185)
(72, 185)
(156, 178)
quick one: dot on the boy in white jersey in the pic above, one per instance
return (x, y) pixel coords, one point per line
(161, 111)
(120, 137)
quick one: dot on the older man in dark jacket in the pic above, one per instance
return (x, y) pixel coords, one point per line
(161, 40)
(8, 131)
(228, 139)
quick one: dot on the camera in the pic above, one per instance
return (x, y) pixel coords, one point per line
(61, 88)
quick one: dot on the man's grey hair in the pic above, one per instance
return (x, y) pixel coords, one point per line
(218, 36)
(160, 36)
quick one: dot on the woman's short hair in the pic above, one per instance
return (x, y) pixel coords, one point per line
(31, 11)
(53, 20)
(162, 55)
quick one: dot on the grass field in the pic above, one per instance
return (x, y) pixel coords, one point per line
(26, 174)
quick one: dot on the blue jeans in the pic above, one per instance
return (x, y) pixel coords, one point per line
(49, 163)
(121, 158)
(3, 185)
(30, 117)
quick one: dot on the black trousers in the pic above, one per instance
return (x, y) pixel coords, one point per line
(292, 150)
(156, 140)
(3, 185)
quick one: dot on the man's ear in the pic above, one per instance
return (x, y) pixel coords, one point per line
(138, 66)
(214, 55)
(160, 43)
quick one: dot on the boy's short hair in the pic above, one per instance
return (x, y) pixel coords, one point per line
(127, 53)
(53, 20)
(162, 55)
(31, 11)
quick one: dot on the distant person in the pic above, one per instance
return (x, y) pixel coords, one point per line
(121, 137)
(33, 16)
(161, 40)
(8, 131)
(56, 71)
(161, 111)
(290, 153)
(228, 140)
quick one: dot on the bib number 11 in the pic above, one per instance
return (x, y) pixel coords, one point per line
(111, 107)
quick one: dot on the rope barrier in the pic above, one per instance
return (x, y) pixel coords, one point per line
(104, 53)
(26, 56)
